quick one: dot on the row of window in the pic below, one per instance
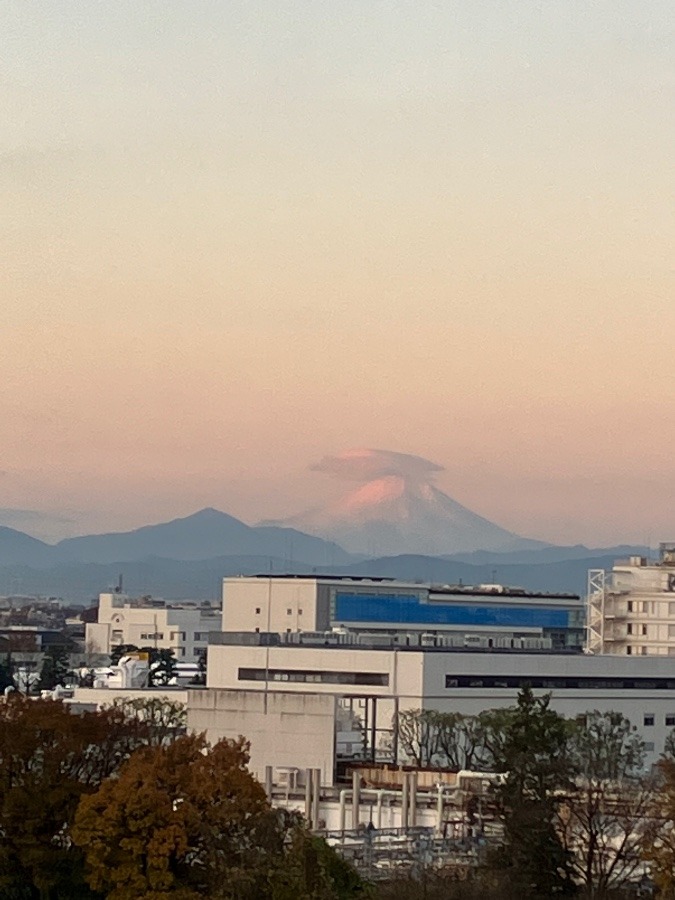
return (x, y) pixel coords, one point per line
(313, 676)
(537, 681)
(650, 607)
(118, 635)
(289, 611)
(649, 719)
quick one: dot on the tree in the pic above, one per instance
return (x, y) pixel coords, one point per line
(165, 719)
(418, 735)
(459, 739)
(603, 818)
(200, 677)
(311, 869)
(162, 666)
(55, 668)
(659, 837)
(532, 754)
(121, 650)
(6, 677)
(669, 745)
(49, 758)
(189, 820)
(161, 662)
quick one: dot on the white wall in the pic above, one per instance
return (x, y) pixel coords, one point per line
(273, 604)
(634, 704)
(404, 670)
(293, 730)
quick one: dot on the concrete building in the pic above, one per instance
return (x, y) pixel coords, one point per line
(145, 622)
(307, 702)
(631, 610)
(484, 613)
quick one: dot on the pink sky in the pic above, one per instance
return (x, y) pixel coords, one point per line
(241, 238)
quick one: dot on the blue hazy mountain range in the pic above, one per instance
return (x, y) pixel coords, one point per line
(186, 558)
(203, 535)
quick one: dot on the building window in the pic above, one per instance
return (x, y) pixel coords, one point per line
(630, 606)
(648, 720)
(629, 628)
(153, 636)
(178, 634)
(257, 610)
(560, 682)
(670, 721)
(644, 631)
(629, 651)
(201, 635)
(289, 612)
(307, 676)
(299, 612)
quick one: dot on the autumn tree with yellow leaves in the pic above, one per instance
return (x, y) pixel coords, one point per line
(188, 821)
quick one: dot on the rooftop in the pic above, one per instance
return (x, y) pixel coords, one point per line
(472, 590)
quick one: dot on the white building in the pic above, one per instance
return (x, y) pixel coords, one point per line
(294, 603)
(144, 622)
(631, 611)
(313, 701)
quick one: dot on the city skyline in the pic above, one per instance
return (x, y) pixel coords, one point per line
(241, 237)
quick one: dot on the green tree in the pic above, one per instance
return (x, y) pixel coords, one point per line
(311, 870)
(6, 678)
(121, 650)
(162, 666)
(200, 677)
(533, 755)
(55, 667)
(162, 662)
(189, 821)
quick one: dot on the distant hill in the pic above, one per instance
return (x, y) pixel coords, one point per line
(17, 548)
(561, 575)
(201, 579)
(546, 554)
(206, 534)
(188, 557)
(169, 578)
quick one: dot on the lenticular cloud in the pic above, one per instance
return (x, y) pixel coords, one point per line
(391, 505)
(366, 465)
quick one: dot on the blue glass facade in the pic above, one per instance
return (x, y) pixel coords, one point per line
(409, 609)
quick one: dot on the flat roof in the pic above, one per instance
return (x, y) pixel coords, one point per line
(433, 588)
(335, 641)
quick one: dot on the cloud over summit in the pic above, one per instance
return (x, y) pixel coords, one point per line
(362, 465)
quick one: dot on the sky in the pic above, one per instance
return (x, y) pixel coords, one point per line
(239, 236)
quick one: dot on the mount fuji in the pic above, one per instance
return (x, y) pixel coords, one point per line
(392, 506)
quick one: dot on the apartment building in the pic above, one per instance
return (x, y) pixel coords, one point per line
(148, 622)
(631, 610)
